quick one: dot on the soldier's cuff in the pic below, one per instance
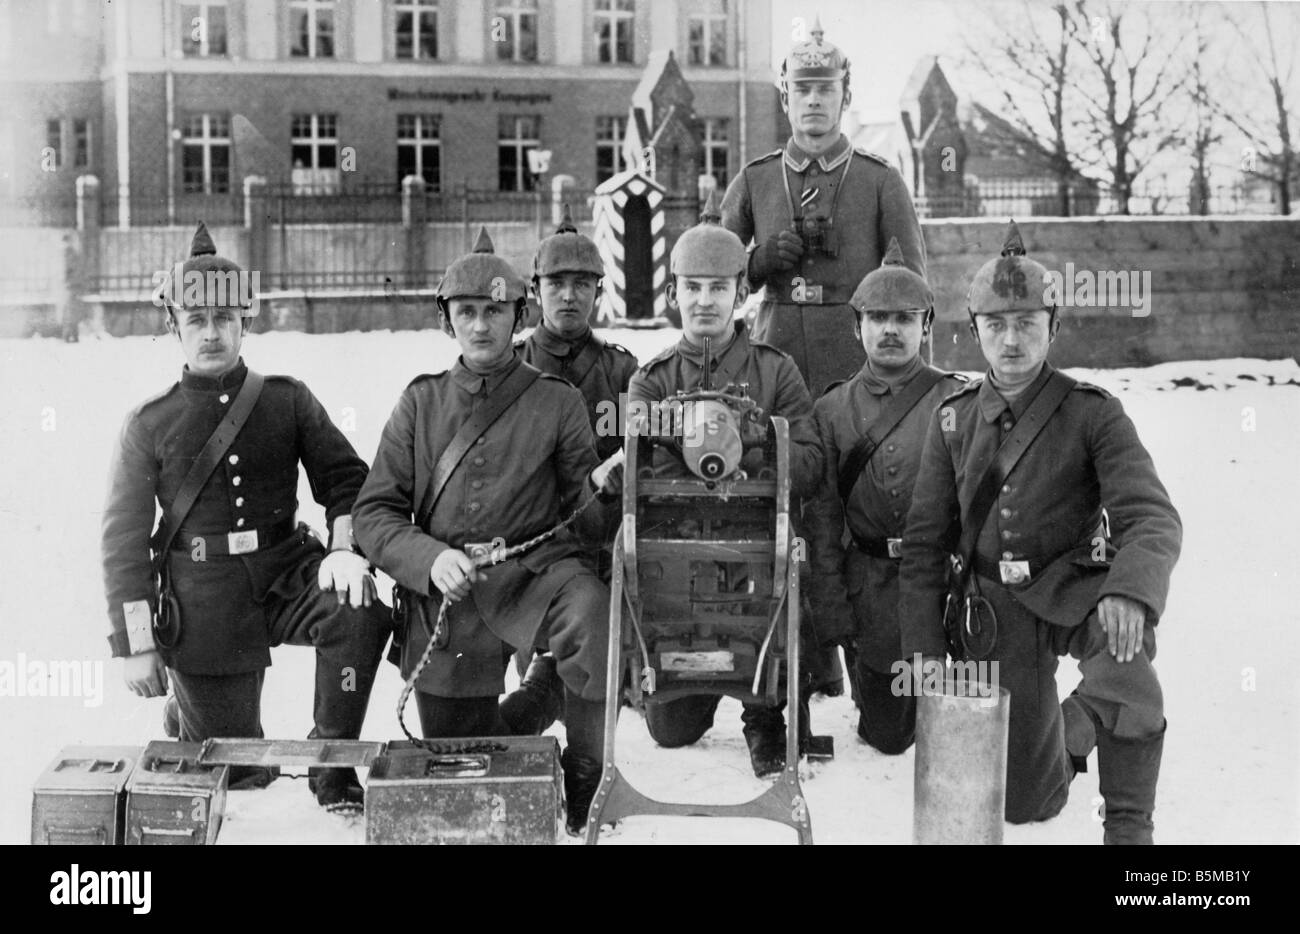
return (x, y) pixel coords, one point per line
(118, 645)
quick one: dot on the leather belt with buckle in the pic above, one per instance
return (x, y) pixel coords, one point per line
(494, 550)
(1008, 572)
(244, 542)
(888, 548)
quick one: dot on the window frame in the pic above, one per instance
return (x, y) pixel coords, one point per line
(207, 142)
(520, 144)
(418, 143)
(313, 9)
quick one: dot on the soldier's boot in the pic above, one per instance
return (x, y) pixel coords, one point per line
(765, 737)
(1080, 733)
(538, 702)
(582, 759)
(172, 718)
(886, 722)
(825, 671)
(1127, 770)
(337, 790)
(681, 722)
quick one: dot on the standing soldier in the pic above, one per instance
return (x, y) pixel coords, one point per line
(707, 283)
(819, 214)
(871, 428)
(490, 454)
(567, 273)
(219, 452)
(1065, 540)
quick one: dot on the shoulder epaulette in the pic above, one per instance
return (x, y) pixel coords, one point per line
(969, 388)
(765, 157)
(835, 385)
(959, 377)
(874, 157)
(425, 376)
(558, 379)
(620, 348)
(154, 399)
(666, 354)
(770, 348)
(1091, 387)
(284, 376)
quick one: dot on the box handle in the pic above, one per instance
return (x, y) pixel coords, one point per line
(86, 836)
(163, 834)
(468, 766)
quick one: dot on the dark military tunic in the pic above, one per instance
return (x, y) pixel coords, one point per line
(598, 369)
(774, 384)
(868, 205)
(223, 597)
(854, 592)
(524, 474)
(1049, 512)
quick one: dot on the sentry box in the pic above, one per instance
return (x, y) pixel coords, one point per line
(171, 798)
(474, 790)
(81, 797)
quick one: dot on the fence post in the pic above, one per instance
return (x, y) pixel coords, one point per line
(89, 233)
(415, 215)
(464, 214)
(257, 224)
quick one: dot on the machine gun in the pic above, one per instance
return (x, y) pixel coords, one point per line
(704, 596)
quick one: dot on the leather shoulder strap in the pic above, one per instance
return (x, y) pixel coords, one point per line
(213, 450)
(889, 419)
(1008, 454)
(510, 390)
(586, 359)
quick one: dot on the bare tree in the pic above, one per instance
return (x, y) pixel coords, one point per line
(1205, 135)
(1134, 64)
(1026, 56)
(1272, 154)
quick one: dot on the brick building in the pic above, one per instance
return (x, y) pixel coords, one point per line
(172, 103)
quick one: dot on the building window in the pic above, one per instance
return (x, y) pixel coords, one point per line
(610, 133)
(315, 141)
(514, 30)
(311, 28)
(417, 28)
(707, 43)
(203, 28)
(205, 154)
(716, 149)
(81, 143)
(54, 142)
(613, 27)
(419, 149)
(515, 137)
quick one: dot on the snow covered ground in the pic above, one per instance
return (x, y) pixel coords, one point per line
(1225, 436)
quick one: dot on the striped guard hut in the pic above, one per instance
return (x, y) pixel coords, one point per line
(628, 219)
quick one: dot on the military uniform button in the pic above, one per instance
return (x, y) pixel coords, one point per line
(234, 458)
(235, 481)
(1004, 513)
(477, 485)
(474, 507)
(479, 462)
(239, 523)
(481, 440)
(239, 500)
(892, 471)
(890, 449)
(1006, 533)
(1007, 556)
(1006, 425)
(224, 398)
(1006, 488)
(893, 493)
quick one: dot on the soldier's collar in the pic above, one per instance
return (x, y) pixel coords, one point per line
(558, 346)
(473, 382)
(798, 160)
(880, 386)
(695, 353)
(226, 381)
(992, 404)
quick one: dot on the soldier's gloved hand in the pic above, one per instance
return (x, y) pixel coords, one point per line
(933, 671)
(607, 478)
(780, 252)
(145, 674)
(347, 574)
(453, 573)
(1124, 619)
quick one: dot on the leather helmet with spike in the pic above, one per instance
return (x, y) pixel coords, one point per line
(892, 287)
(207, 279)
(708, 249)
(814, 59)
(1012, 282)
(482, 274)
(566, 250)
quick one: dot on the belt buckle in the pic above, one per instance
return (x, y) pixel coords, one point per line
(1014, 572)
(494, 550)
(895, 546)
(241, 543)
(811, 294)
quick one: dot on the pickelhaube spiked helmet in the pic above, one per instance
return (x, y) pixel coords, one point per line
(482, 274)
(708, 248)
(892, 287)
(207, 279)
(566, 250)
(1011, 282)
(814, 59)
